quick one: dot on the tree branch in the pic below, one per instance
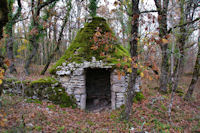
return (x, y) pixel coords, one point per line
(129, 14)
(190, 22)
(69, 7)
(158, 5)
(18, 13)
(43, 5)
(18, 20)
(148, 11)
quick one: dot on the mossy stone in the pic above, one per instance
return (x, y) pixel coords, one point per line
(80, 49)
(46, 88)
(62, 98)
(48, 80)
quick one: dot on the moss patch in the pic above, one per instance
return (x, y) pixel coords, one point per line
(59, 96)
(48, 80)
(80, 49)
(46, 88)
(138, 97)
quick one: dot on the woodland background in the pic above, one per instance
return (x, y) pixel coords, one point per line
(162, 37)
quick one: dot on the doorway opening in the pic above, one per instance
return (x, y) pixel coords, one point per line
(98, 89)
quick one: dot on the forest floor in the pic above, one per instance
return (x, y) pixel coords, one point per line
(25, 115)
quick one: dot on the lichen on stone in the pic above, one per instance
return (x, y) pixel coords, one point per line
(80, 49)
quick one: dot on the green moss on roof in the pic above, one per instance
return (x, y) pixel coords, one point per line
(80, 49)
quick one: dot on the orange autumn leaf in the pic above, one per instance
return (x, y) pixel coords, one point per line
(94, 47)
(135, 66)
(168, 36)
(7, 62)
(97, 34)
(129, 70)
(118, 75)
(102, 54)
(118, 65)
(123, 73)
(165, 41)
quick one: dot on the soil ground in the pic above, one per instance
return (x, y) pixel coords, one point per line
(25, 115)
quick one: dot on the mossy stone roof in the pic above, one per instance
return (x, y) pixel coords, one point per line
(80, 49)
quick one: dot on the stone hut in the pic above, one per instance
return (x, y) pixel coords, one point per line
(89, 70)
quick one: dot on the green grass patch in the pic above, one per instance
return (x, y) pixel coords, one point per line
(29, 100)
(138, 97)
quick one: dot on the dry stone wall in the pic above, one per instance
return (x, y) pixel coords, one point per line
(73, 78)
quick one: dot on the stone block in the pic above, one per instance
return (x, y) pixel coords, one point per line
(78, 72)
(67, 72)
(92, 65)
(86, 64)
(69, 91)
(118, 105)
(78, 97)
(120, 95)
(115, 80)
(64, 79)
(78, 78)
(70, 65)
(64, 64)
(93, 59)
(79, 91)
(83, 101)
(118, 88)
(120, 98)
(113, 100)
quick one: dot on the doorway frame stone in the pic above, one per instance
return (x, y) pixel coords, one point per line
(73, 79)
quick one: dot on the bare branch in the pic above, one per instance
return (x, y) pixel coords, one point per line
(18, 20)
(129, 14)
(43, 5)
(18, 13)
(148, 11)
(190, 22)
(158, 5)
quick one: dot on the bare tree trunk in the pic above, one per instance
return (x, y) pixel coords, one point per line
(195, 75)
(133, 51)
(180, 61)
(70, 31)
(32, 54)
(59, 40)
(78, 2)
(3, 16)
(10, 54)
(9, 30)
(3, 21)
(164, 77)
(187, 10)
(34, 37)
(162, 8)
